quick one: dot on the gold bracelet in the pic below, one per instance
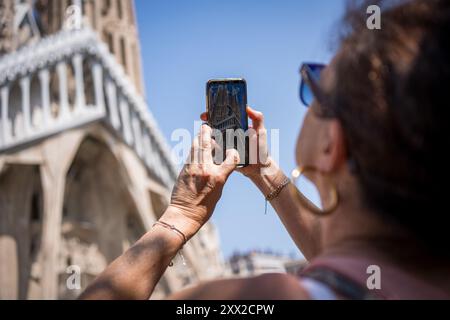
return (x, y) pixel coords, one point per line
(276, 192)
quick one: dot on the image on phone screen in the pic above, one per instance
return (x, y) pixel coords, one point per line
(226, 107)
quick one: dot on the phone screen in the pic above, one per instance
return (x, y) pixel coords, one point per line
(226, 107)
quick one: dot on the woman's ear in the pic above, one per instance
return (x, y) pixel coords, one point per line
(333, 150)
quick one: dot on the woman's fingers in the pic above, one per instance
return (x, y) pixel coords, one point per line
(205, 144)
(257, 140)
(214, 144)
(257, 118)
(195, 151)
(230, 163)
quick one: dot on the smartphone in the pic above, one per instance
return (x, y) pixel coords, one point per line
(227, 112)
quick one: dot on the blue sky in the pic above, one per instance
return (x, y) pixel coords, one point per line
(186, 43)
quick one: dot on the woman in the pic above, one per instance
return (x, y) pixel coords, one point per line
(374, 142)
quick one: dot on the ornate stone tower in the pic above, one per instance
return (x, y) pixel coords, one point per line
(84, 168)
(113, 20)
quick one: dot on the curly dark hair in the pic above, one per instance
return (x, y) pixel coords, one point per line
(392, 99)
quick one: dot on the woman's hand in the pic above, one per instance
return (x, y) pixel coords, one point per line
(200, 184)
(259, 156)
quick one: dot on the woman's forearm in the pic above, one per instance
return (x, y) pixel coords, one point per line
(135, 274)
(301, 225)
(199, 186)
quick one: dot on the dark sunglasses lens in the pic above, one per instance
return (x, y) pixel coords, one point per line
(315, 71)
(306, 94)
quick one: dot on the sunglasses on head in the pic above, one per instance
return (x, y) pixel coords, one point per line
(309, 87)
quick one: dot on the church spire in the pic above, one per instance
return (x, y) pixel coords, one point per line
(23, 21)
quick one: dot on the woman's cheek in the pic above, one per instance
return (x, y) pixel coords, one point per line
(302, 148)
(298, 150)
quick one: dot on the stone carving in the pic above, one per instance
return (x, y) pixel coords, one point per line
(6, 26)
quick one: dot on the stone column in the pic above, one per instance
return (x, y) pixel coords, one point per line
(125, 115)
(53, 185)
(16, 187)
(111, 92)
(59, 153)
(80, 100)
(61, 69)
(6, 132)
(158, 164)
(25, 90)
(97, 73)
(44, 79)
(147, 149)
(137, 135)
(9, 268)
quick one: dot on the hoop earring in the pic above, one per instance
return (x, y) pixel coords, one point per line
(296, 174)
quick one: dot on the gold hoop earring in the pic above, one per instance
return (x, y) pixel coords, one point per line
(296, 174)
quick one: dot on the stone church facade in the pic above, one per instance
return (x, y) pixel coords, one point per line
(84, 169)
